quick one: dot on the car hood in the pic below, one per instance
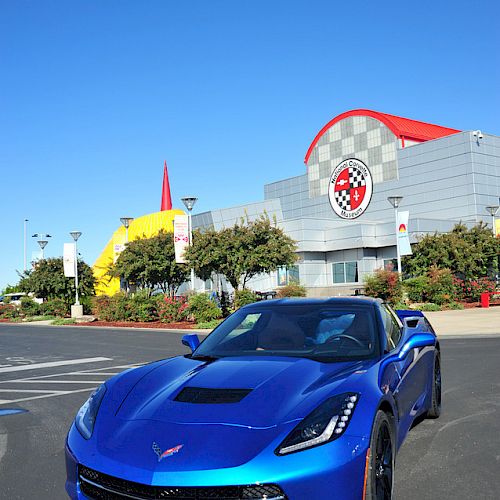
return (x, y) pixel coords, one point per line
(280, 389)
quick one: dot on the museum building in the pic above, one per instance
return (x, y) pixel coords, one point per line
(339, 213)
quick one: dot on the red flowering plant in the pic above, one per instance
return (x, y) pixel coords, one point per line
(172, 309)
(471, 290)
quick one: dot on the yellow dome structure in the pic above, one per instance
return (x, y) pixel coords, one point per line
(142, 227)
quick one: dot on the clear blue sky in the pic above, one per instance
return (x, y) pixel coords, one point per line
(95, 95)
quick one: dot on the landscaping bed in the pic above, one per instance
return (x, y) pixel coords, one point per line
(183, 325)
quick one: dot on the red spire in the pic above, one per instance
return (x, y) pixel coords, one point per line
(166, 199)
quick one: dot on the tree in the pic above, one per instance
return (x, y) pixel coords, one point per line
(241, 252)
(468, 253)
(47, 280)
(150, 264)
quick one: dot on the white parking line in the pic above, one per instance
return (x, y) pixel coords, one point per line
(35, 391)
(51, 395)
(50, 364)
(49, 392)
(21, 381)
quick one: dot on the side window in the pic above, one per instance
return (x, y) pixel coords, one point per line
(392, 327)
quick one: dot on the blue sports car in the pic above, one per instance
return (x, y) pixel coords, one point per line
(297, 399)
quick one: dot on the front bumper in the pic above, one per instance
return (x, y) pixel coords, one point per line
(333, 470)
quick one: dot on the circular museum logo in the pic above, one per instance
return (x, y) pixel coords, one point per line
(350, 189)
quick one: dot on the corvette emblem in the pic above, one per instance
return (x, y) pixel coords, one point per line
(167, 453)
(350, 188)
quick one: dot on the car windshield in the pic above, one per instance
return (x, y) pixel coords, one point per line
(326, 332)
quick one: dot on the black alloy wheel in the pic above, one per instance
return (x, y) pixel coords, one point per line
(380, 478)
(435, 408)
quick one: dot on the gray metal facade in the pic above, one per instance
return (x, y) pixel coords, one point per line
(442, 181)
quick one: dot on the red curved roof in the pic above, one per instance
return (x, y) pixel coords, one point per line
(401, 127)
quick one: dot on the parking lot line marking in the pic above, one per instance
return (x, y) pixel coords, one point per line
(50, 364)
(82, 372)
(43, 396)
(35, 391)
(20, 381)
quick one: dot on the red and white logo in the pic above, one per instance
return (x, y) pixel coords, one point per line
(350, 189)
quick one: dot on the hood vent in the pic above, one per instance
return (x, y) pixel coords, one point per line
(206, 396)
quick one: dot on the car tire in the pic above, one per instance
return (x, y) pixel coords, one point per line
(382, 459)
(435, 407)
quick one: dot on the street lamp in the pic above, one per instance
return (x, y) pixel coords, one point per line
(41, 241)
(75, 235)
(126, 223)
(492, 210)
(189, 202)
(395, 201)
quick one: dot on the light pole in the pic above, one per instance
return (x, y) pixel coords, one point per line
(126, 223)
(395, 201)
(189, 202)
(42, 242)
(492, 210)
(25, 244)
(75, 235)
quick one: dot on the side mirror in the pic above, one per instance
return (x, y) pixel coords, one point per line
(191, 340)
(415, 341)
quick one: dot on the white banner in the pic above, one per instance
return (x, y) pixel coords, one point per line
(181, 237)
(402, 233)
(69, 260)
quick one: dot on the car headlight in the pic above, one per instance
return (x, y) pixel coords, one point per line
(85, 418)
(324, 424)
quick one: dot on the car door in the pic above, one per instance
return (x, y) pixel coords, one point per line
(411, 369)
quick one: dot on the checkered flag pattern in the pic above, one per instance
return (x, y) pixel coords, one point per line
(343, 199)
(356, 178)
(360, 137)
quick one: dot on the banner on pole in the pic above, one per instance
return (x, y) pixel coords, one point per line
(403, 235)
(181, 237)
(69, 260)
(118, 246)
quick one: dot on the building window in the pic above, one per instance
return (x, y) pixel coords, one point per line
(390, 264)
(288, 276)
(345, 272)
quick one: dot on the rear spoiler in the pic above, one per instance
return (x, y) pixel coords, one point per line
(406, 313)
(411, 318)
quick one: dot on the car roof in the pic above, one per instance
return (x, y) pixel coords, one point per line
(356, 300)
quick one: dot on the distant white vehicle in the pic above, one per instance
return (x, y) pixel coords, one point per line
(15, 298)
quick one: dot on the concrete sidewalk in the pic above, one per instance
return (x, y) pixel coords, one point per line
(475, 321)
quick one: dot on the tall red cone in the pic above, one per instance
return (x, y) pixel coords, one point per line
(166, 199)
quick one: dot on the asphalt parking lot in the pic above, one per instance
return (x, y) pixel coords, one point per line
(48, 373)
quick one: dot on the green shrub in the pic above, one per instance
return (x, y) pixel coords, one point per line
(471, 290)
(454, 305)
(440, 287)
(209, 325)
(171, 310)
(202, 309)
(384, 284)
(243, 297)
(142, 307)
(29, 307)
(291, 291)
(8, 312)
(55, 307)
(416, 288)
(429, 307)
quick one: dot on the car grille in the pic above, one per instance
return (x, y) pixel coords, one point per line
(202, 395)
(99, 486)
